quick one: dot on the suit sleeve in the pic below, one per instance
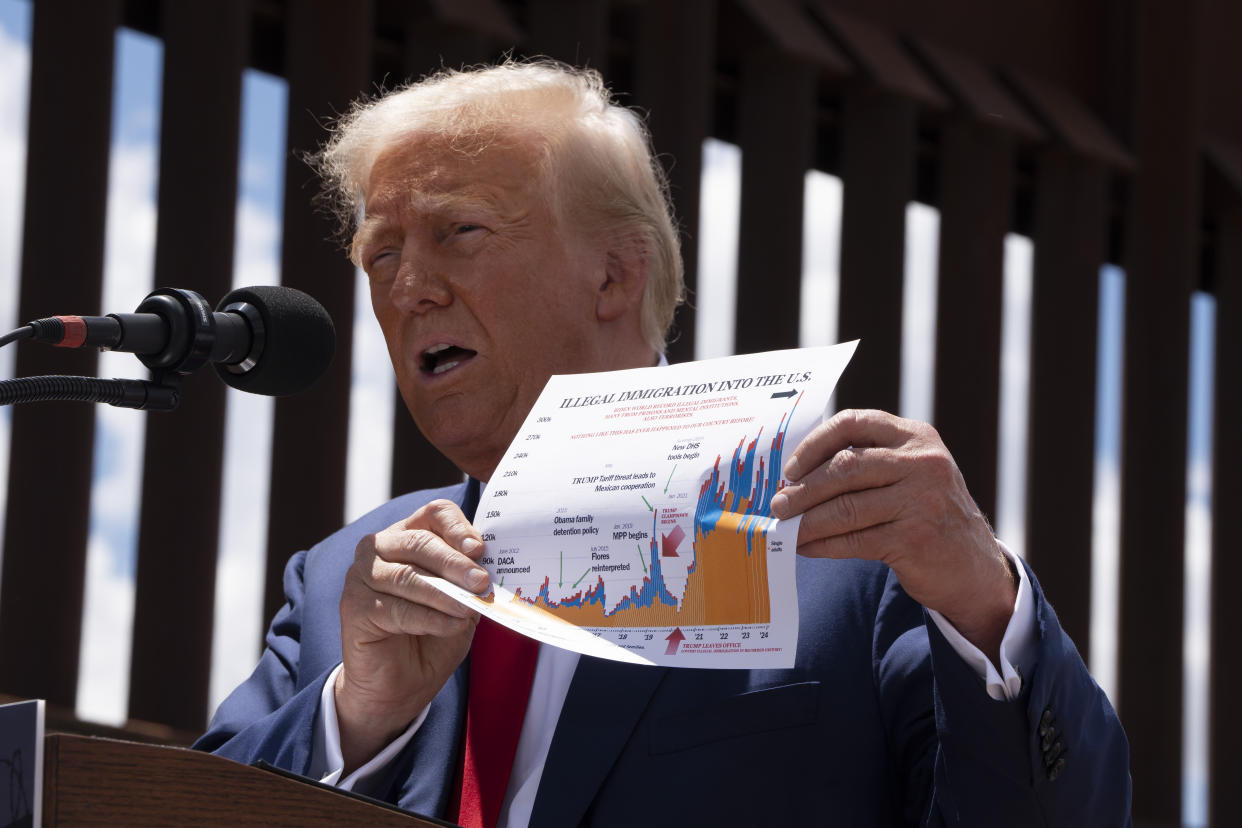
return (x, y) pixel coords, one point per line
(1056, 755)
(271, 715)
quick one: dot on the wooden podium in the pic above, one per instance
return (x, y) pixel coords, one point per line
(92, 781)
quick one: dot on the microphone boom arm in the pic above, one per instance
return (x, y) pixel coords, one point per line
(162, 394)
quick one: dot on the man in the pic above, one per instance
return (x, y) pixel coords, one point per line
(514, 225)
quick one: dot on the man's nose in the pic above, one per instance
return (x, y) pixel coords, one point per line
(420, 286)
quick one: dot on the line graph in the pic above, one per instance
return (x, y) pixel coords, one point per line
(726, 581)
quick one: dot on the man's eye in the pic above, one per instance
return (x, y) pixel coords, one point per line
(378, 261)
(468, 228)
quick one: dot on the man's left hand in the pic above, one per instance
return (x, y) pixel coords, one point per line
(875, 486)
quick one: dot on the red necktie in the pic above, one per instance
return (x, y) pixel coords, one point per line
(502, 665)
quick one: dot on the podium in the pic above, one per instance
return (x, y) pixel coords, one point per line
(94, 781)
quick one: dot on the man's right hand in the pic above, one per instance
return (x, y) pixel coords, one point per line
(401, 638)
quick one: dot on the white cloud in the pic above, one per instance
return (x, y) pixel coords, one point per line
(1196, 632)
(821, 259)
(256, 260)
(1105, 574)
(241, 564)
(372, 402)
(14, 88)
(918, 322)
(129, 247)
(1106, 502)
(1015, 385)
(720, 205)
(258, 173)
(1199, 479)
(720, 192)
(119, 436)
(107, 618)
(1196, 641)
(14, 94)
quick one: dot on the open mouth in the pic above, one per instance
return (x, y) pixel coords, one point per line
(441, 358)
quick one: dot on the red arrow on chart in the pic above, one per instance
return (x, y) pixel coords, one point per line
(674, 638)
(671, 541)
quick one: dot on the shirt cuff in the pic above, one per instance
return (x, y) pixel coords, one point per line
(1018, 647)
(333, 762)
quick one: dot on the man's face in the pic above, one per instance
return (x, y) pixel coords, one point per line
(480, 295)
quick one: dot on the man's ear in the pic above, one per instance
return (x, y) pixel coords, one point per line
(625, 278)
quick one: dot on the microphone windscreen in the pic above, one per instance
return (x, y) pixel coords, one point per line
(298, 341)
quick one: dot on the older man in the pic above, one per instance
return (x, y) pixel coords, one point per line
(514, 225)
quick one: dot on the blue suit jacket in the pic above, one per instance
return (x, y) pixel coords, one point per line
(878, 723)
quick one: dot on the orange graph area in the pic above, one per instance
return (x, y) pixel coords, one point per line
(726, 585)
(734, 585)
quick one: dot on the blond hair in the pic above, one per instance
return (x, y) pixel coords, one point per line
(596, 162)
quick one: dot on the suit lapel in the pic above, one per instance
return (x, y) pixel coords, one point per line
(605, 701)
(469, 498)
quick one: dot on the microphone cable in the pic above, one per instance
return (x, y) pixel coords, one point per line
(24, 332)
(123, 393)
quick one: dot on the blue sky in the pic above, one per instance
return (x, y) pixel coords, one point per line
(129, 254)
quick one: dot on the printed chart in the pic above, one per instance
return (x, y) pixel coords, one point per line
(630, 518)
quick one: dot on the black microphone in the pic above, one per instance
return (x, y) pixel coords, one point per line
(264, 339)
